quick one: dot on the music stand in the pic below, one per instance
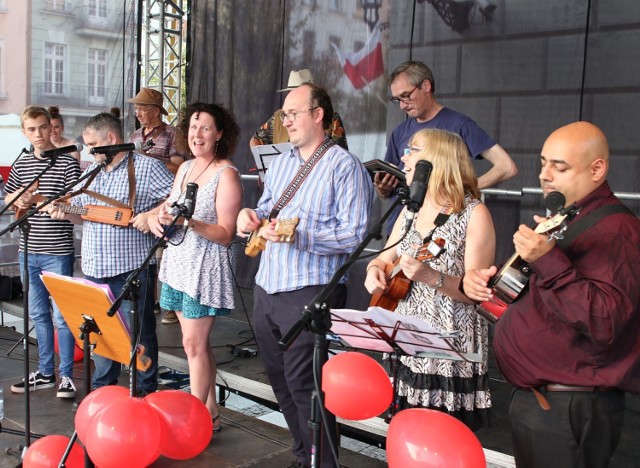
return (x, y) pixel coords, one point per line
(378, 329)
(263, 155)
(80, 300)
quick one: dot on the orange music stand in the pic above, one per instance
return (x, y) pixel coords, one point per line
(79, 300)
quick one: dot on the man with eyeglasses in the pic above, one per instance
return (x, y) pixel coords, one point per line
(273, 130)
(413, 87)
(332, 204)
(149, 111)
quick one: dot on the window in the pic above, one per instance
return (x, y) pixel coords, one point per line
(54, 55)
(54, 5)
(98, 8)
(96, 74)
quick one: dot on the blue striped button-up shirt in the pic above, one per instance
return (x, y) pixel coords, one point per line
(109, 250)
(333, 207)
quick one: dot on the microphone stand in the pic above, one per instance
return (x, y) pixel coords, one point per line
(316, 318)
(130, 291)
(23, 223)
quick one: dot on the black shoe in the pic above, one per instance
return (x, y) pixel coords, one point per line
(37, 381)
(66, 389)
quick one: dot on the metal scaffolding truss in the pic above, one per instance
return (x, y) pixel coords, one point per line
(162, 58)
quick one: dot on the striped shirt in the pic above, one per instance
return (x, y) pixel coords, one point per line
(109, 250)
(333, 207)
(46, 236)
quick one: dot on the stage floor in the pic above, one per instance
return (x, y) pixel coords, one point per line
(246, 439)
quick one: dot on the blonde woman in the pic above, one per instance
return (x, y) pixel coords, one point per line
(458, 388)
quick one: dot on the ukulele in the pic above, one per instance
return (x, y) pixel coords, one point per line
(37, 199)
(118, 216)
(399, 284)
(285, 228)
(508, 283)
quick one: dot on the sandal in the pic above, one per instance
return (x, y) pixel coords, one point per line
(216, 427)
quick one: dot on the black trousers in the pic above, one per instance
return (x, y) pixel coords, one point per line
(582, 429)
(290, 372)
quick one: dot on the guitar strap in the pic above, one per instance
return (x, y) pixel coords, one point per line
(440, 220)
(300, 177)
(110, 201)
(577, 228)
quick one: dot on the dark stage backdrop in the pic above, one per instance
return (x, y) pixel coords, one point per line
(517, 67)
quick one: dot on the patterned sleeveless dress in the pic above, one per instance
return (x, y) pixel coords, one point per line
(199, 267)
(456, 387)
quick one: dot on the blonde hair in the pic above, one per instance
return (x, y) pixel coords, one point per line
(33, 112)
(453, 176)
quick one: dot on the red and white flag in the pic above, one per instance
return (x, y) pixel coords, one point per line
(365, 65)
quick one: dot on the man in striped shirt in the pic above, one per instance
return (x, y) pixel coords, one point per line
(49, 247)
(332, 205)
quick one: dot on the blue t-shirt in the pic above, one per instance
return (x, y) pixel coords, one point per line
(475, 138)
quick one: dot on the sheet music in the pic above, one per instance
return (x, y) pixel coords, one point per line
(378, 329)
(264, 154)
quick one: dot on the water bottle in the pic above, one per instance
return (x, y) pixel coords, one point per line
(1, 404)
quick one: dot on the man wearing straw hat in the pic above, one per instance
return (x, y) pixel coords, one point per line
(273, 131)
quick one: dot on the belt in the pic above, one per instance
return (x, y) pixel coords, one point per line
(552, 387)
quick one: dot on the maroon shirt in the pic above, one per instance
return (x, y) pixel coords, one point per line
(578, 323)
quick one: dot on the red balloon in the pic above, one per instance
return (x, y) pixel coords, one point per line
(95, 402)
(187, 421)
(355, 386)
(78, 353)
(429, 438)
(47, 453)
(126, 433)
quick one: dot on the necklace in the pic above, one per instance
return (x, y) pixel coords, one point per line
(186, 178)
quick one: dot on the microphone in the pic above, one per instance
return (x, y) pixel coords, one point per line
(189, 204)
(418, 188)
(52, 153)
(114, 149)
(554, 202)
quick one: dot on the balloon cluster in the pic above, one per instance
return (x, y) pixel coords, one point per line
(357, 387)
(119, 430)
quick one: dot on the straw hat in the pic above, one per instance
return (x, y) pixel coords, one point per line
(297, 78)
(149, 97)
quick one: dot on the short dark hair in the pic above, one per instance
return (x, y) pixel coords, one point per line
(105, 121)
(224, 121)
(320, 98)
(416, 72)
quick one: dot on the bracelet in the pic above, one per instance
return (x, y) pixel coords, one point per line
(372, 266)
(440, 281)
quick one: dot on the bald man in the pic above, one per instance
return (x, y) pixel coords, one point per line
(570, 343)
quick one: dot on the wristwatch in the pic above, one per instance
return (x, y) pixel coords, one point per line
(440, 281)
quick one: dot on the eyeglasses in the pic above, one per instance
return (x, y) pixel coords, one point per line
(293, 114)
(412, 149)
(143, 110)
(406, 97)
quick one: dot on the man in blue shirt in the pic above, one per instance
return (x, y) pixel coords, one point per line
(332, 205)
(110, 253)
(413, 88)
